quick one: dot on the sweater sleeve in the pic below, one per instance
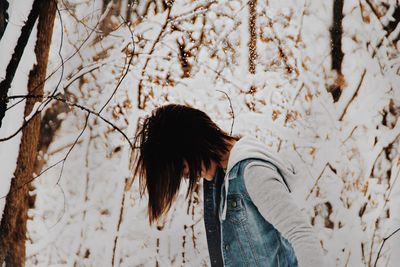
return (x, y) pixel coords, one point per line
(273, 200)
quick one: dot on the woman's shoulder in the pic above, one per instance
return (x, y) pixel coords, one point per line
(258, 163)
(263, 171)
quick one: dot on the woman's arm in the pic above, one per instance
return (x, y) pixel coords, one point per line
(269, 193)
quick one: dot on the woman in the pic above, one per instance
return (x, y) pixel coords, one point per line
(249, 215)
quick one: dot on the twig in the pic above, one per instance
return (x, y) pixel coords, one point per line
(230, 104)
(354, 95)
(126, 71)
(383, 243)
(75, 77)
(319, 177)
(121, 212)
(63, 62)
(89, 112)
(86, 198)
(49, 98)
(143, 71)
(376, 222)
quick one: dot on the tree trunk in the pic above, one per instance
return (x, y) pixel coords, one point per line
(13, 224)
(253, 36)
(336, 49)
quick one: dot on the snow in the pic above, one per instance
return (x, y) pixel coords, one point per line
(344, 162)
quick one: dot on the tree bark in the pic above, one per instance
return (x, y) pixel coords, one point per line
(13, 224)
(336, 32)
(253, 36)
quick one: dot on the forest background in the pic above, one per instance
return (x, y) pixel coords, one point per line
(317, 81)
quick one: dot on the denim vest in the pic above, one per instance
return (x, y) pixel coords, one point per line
(244, 238)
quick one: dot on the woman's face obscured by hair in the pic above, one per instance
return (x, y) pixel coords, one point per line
(176, 141)
(207, 174)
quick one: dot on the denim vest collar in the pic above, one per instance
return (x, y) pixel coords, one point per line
(224, 195)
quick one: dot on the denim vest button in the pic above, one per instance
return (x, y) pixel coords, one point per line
(226, 247)
(234, 204)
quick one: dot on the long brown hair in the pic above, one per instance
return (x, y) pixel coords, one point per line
(171, 134)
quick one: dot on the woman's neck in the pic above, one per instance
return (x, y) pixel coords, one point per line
(225, 157)
(223, 163)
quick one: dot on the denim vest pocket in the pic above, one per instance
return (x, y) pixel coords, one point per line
(236, 211)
